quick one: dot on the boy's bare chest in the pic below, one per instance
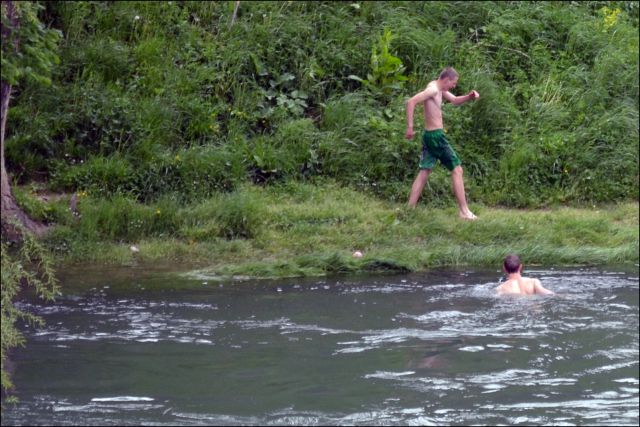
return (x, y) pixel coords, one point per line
(434, 103)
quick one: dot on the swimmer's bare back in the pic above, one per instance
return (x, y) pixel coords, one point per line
(523, 286)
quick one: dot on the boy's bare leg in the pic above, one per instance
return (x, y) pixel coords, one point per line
(418, 186)
(458, 190)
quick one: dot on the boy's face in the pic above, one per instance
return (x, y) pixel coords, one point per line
(450, 83)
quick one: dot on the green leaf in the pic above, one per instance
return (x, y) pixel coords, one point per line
(261, 70)
(286, 77)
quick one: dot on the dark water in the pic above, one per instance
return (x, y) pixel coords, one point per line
(421, 349)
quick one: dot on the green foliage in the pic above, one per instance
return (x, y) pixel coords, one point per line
(282, 94)
(311, 229)
(123, 219)
(41, 208)
(363, 145)
(236, 215)
(386, 69)
(290, 153)
(99, 175)
(29, 51)
(189, 174)
(27, 264)
(143, 83)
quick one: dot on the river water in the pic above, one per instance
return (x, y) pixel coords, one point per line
(419, 349)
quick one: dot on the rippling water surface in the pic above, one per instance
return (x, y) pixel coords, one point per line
(422, 349)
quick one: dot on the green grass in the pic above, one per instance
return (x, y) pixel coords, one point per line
(302, 229)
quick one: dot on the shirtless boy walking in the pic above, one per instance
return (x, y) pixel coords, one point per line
(434, 143)
(516, 284)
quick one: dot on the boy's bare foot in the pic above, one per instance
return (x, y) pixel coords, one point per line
(468, 216)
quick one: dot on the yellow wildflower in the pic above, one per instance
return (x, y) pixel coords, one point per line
(610, 16)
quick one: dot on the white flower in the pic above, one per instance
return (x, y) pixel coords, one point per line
(137, 18)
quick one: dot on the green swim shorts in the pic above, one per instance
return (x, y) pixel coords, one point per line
(436, 147)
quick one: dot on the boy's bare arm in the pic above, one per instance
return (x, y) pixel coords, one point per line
(457, 100)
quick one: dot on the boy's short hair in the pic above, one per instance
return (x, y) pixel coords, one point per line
(450, 73)
(511, 263)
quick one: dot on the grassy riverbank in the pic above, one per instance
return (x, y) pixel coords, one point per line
(303, 229)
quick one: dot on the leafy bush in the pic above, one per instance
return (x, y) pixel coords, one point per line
(101, 176)
(42, 210)
(270, 98)
(123, 219)
(190, 174)
(230, 216)
(386, 69)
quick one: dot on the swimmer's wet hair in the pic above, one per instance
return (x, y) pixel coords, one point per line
(511, 263)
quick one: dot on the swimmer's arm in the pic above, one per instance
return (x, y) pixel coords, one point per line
(539, 289)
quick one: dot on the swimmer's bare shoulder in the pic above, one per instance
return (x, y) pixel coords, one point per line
(539, 289)
(508, 287)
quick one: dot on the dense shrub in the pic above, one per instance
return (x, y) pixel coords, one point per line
(155, 98)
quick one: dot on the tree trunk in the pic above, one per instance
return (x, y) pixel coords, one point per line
(10, 210)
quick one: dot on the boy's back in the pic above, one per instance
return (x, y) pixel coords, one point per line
(522, 286)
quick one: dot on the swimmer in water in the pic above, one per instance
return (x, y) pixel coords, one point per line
(516, 284)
